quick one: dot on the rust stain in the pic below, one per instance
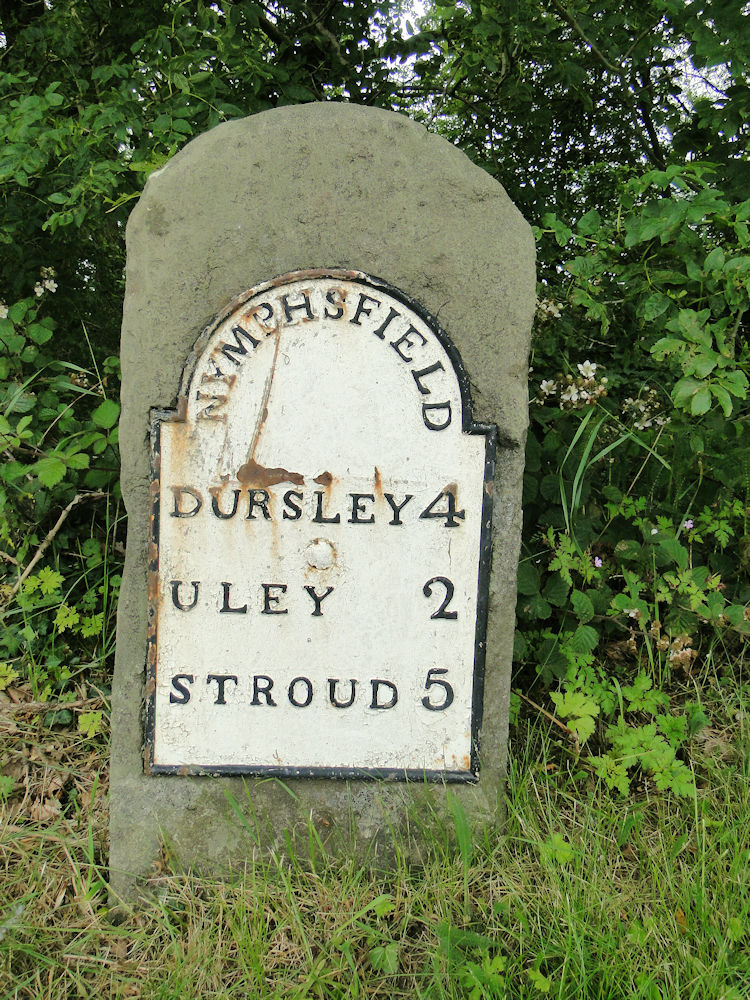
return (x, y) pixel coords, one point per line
(150, 686)
(489, 487)
(465, 762)
(378, 482)
(253, 474)
(263, 414)
(451, 488)
(324, 479)
(313, 272)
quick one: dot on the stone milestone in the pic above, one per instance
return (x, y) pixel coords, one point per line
(324, 372)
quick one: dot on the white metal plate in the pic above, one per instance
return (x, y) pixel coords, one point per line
(321, 507)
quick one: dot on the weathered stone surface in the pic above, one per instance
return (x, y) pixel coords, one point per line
(315, 186)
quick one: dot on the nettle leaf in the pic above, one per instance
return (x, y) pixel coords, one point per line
(537, 607)
(582, 606)
(584, 639)
(556, 590)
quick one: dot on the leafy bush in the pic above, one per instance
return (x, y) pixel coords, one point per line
(60, 573)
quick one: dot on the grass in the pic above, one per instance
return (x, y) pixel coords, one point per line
(583, 896)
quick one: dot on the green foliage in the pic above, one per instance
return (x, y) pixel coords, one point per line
(59, 438)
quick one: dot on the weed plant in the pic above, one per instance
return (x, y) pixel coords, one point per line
(583, 894)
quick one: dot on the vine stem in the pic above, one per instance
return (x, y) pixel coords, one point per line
(78, 498)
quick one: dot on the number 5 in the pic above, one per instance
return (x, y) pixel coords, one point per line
(431, 681)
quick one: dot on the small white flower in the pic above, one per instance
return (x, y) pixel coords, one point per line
(570, 395)
(587, 369)
(548, 386)
(38, 289)
(654, 531)
(50, 285)
(3, 310)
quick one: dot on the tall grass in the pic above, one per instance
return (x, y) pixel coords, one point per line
(581, 896)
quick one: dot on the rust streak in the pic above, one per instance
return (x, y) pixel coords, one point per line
(378, 482)
(252, 474)
(324, 479)
(263, 414)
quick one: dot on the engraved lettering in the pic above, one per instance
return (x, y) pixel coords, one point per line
(423, 372)
(432, 425)
(181, 694)
(262, 687)
(377, 684)
(332, 682)
(405, 339)
(221, 680)
(271, 600)
(318, 599)
(175, 585)
(397, 508)
(357, 508)
(226, 608)
(362, 309)
(319, 517)
(308, 693)
(303, 305)
(177, 493)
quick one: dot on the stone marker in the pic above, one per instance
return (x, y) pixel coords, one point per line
(324, 358)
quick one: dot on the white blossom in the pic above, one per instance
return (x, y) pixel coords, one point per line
(548, 386)
(3, 310)
(50, 285)
(570, 394)
(587, 369)
(38, 289)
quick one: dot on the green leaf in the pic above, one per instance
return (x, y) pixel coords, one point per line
(106, 414)
(528, 578)
(39, 333)
(675, 550)
(50, 470)
(556, 590)
(589, 223)
(536, 608)
(584, 639)
(715, 260)
(654, 306)
(701, 401)
(683, 392)
(385, 958)
(557, 849)
(582, 606)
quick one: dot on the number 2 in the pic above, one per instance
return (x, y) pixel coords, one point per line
(449, 589)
